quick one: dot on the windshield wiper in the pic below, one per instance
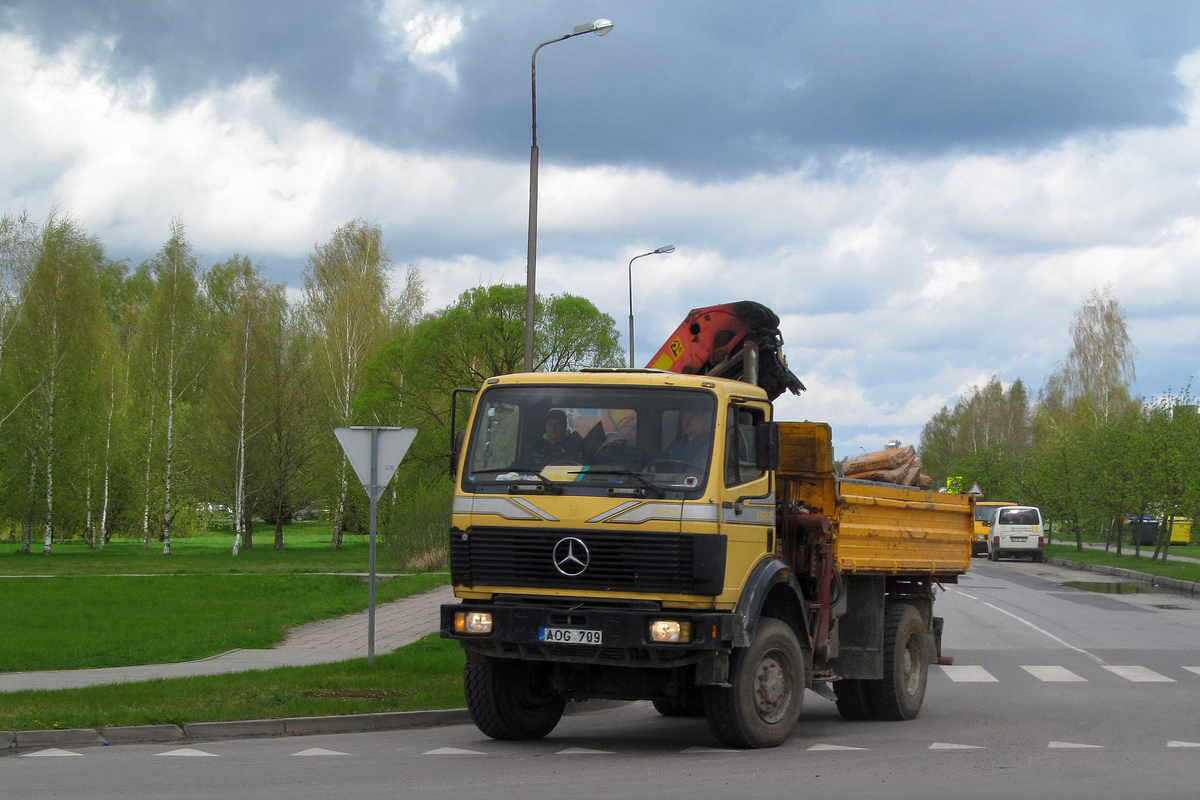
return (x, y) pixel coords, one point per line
(521, 474)
(640, 479)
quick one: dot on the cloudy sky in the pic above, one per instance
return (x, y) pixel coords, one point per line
(925, 191)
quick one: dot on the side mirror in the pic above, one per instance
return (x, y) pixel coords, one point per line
(766, 446)
(456, 452)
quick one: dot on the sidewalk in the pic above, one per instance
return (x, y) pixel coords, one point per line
(396, 624)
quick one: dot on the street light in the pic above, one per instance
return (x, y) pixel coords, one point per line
(600, 27)
(666, 248)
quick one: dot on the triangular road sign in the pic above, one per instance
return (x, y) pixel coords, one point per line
(393, 444)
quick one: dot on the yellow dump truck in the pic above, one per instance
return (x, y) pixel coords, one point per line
(642, 534)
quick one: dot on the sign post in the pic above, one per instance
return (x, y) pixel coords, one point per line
(375, 453)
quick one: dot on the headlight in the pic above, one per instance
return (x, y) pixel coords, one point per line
(670, 630)
(472, 622)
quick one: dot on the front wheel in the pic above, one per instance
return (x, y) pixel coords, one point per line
(906, 651)
(762, 704)
(512, 699)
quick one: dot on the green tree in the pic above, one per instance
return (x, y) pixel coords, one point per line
(59, 328)
(346, 300)
(172, 351)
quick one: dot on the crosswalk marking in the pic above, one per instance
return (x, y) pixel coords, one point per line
(825, 747)
(968, 674)
(1139, 674)
(453, 751)
(1073, 746)
(1053, 674)
(187, 751)
(1183, 744)
(950, 746)
(583, 751)
(320, 751)
(51, 752)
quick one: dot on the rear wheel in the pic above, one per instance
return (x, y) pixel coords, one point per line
(1039, 557)
(512, 699)
(853, 703)
(906, 651)
(767, 680)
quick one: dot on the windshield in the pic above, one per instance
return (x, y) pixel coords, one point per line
(588, 439)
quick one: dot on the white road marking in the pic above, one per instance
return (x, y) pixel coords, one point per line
(964, 594)
(1139, 674)
(51, 752)
(950, 746)
(1183, 744)
(320, 751)
(824, 747)
(1068, 645)
(1074, 746)
(583, 751)
(187, 751)
(1193, 669)
(691, 750)
(1053, 674)
(968, 674)
(452, 751)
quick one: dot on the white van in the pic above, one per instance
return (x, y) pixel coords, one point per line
(1017, 531)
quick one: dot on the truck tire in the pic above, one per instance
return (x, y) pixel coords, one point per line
(853, 702)
(762, 704)
(906, 649)
(512, 699)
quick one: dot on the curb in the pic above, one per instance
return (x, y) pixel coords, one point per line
(240, 729)
(1183, 587)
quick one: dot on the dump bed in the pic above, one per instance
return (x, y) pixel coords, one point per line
(877, 528)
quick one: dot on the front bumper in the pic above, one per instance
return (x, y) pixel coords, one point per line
(516, 628)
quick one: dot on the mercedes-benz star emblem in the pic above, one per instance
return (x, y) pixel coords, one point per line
(571, 556)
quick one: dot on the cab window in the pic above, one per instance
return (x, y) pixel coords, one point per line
(741, 444)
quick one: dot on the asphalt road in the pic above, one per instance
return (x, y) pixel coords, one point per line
(1055, 693)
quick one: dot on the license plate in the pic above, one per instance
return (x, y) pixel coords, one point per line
(570, 636)
(1016, 538)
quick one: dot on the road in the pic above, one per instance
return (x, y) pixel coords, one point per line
(1055, 692)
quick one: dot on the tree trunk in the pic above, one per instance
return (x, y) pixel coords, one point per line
(146, 505)
(166, 530)
(46, 541)
(278, 530)
(339, 517)
(112, 400)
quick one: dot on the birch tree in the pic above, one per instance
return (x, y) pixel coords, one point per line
(241, 299)
(346, 300)
(55, 338)
(172, 350)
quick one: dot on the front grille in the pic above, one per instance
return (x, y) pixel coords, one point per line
(672, 563)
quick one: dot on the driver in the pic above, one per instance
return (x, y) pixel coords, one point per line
(559, 444)
(692, 446)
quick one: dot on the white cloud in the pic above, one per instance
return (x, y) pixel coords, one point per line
(899, 282)
(422, 33)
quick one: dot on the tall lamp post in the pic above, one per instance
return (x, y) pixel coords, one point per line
(667, 248)
(600, 27)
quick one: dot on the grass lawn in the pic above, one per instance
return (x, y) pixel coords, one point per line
(1183, 570)
(425, 675)
(89, 621)
(306, 550)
